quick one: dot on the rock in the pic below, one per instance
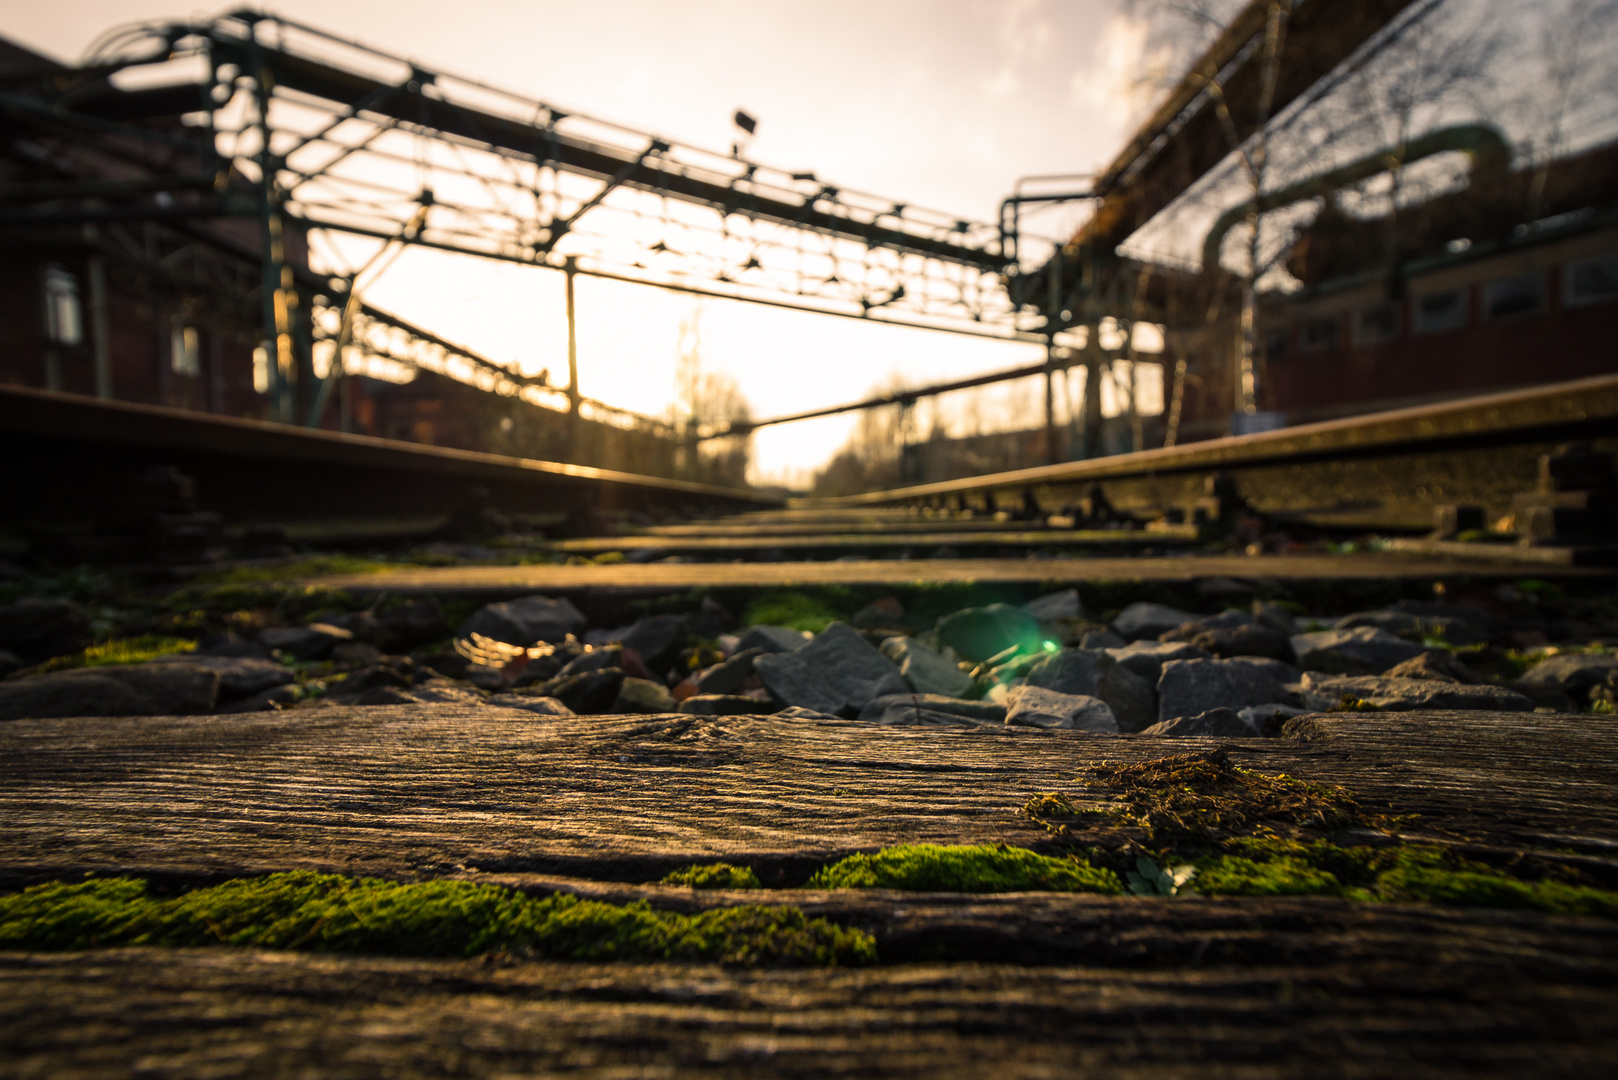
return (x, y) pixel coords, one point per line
(602, 656)
(485, 678)
(112, 690)
(355, 653)
(884, 614)
(1220, 723)
(1096, 674)
(926, 671)
(38, 629)
(1434, 664)
(231, 644)
(798, 712)
(312, 642)
(1101, 639)
(524, 622)
(1145, 620)
(772, 639)
(727, 676)
(1146, 658)
(724, 705)
(399, 625)
(239, 676)
(1232, 633)
(544, 706)
(1546, 695)
(835, 672)
(1266, 720)
(1278, 670)
(1190, 687)
(1035, 706)
(643, 696)
(931, 709)
(1361, 650)
(9, 662)
(392, 671)
(445, 691)
(1575, 673)
(1057, 605)
(1414, 626)
(1323, 692)
(979, 633)
(1275, 617)
(263, 701)
(587, 693)
(657, 638)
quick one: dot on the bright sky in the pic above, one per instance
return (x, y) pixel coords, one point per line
(938, 103)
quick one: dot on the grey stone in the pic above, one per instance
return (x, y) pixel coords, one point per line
(926, 671)
(604, 656)
(441, 691)
(724, 705)
(1069, 671)
(37, 629)
(239, 676)
(1267, 719)
(1189, 687)
(1146, 620)
(979, 633)
(524, 622)
(1219, 723)
(397, 625)
(9, 662)
(1057, 605)
(485, 678)
(1575, 673)
(1453, 623)
(586, 693)
(1146, 658)
(1232, 633)
(1361, 650)
(1101, 639)
(1275, 617)
(112, 690)
(1398, 623)
(312, 642)
(1322, 692)
(544, 706)
(727, 676)
(772, 639)
(798, 712)
(657, 638)
(1434, 664)
(643, 696)
(1279, 670)
(1035, 706)
(1097, 674)
(884, 614)
(355, 653)
(835, 672)
(263, 701)
(911, 708)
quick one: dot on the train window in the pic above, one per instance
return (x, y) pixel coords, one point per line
(64, 317)
(1521, 295)
(1320, 335)
(1440, 311)
(1374, 324)
(1592, 281)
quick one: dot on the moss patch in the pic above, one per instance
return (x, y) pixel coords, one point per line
(1268, 866)
(328, 913)
(713, 876)
(317, 566)
(800, 611)
(132, 650)
(1201, 797)
(965, 868)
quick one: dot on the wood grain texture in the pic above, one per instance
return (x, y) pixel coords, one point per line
(410, 790)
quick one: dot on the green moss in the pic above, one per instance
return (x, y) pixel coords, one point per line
(317, 566)
(287, 601)
(328, 913)
(962, 868)
(713, 876)
(800, 611)
(133, 650)
(1273, 867)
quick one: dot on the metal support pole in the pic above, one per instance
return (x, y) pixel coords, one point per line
(99, 332)
(571, 268)
(1051, 454)
(277, 275)
(1092, 391)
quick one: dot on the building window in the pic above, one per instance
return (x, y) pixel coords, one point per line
(184, 356)
(1440, 311)
(1592, 281)
(1523, 295)
(64, 316)
(1375, 324)
(1275, 345)
(1320, 335)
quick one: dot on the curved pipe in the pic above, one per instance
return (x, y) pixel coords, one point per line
(1483, 143)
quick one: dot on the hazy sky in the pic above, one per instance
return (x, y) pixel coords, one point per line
(939, 103)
